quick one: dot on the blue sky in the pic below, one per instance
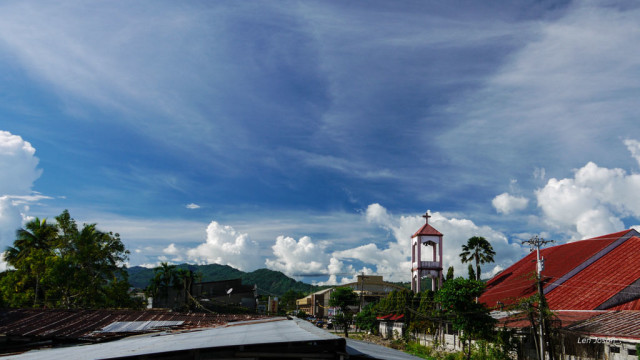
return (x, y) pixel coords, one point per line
(309, 136)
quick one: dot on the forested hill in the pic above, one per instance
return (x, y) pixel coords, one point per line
(271, 282)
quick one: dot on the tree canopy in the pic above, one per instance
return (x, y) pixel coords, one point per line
(59, 265)
(344, 298)
(478, 250)
(458, 305)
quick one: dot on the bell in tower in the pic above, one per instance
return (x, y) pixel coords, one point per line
(426, 256)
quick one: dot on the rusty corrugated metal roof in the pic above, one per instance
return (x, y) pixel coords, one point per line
(618, 324)
(86, 324)
(563, 318)
(598, 323)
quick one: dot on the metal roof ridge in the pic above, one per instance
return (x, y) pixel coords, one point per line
(597, 256)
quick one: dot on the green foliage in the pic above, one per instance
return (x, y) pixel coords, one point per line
(58, 265)
(29, 254)
(302, 314)
(472, 273)
(344, 298)
(140, 276)
(478, 250)
(453, 356)
(396, 302)
(418, 350)
(168, 277)
(366, 319)
(422, 321)
(450, 275)
(164, 278)
(457, 298)
(505, 342)
(273, 282)
(288, 299)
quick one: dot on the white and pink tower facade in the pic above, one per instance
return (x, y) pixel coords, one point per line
(426, 256)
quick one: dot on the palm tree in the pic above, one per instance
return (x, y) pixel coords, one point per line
(163, 276)
(30, 250)
(479, 250)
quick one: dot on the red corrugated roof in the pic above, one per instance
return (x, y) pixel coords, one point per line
(391, 317)
(426, 230)
(601, 280)
(518, 281)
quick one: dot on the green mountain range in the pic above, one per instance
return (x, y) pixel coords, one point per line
(269, 282)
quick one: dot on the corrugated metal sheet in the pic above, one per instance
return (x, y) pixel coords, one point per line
(245, 334)
(600, 323)
(618, 324)
(86, 324)
(563, 318)
(138, 326)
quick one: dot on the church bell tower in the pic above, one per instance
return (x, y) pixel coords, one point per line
(426, 242)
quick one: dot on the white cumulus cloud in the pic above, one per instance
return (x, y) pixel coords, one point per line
(506, 203)
(298, 257)
(171, 249)
(18, 171)
(193, 206)
(392, 260)
(225, 246)
(18, 165)
(593, 202)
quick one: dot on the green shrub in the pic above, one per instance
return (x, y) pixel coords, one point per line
(416, 349)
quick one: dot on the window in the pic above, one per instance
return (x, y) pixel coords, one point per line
(614, 349)
(631, 352)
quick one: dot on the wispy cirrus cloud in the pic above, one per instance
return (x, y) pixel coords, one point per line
(345, 166)
(550, 100)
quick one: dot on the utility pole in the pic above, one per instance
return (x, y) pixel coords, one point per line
(536, 242)
(361, 291)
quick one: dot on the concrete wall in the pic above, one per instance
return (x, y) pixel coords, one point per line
(391, 329)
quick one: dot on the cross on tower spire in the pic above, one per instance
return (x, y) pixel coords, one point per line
(426, 216)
